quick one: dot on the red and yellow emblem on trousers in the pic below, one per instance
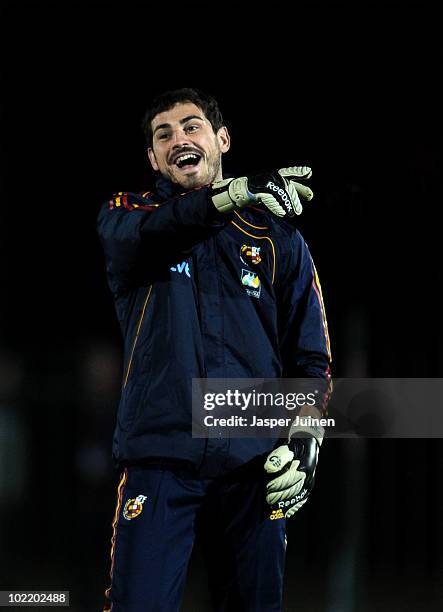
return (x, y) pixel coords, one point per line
(133, 507)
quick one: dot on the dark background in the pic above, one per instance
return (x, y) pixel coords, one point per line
(351, 89)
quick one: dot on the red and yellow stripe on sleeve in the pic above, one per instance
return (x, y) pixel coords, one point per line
(317, 288)
(123, 199)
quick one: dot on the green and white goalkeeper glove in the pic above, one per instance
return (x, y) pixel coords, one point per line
(290, 471)
(278, 190)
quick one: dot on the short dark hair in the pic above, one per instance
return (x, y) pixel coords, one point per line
(168, 99)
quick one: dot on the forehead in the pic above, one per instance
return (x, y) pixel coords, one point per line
(177, 113)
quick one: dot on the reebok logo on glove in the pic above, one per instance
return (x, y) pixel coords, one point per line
(281, 192)
(290, 502)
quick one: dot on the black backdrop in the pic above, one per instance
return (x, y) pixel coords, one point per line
(351, 89)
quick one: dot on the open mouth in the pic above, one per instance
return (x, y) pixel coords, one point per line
(187, 161)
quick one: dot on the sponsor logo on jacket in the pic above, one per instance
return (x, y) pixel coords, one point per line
(182, 267)
(251, 283)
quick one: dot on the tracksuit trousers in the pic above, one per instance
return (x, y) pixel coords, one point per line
(160, 511)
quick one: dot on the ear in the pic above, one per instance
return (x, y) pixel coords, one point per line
(224, 140)
(152, 159)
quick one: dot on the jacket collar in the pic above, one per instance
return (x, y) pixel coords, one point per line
(166, 189)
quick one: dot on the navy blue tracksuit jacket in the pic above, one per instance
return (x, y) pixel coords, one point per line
(203, 294)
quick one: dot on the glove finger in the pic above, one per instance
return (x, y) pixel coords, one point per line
(271, 204)
(295, 200)
(293, 509)
(300, 172)
(286, 479)
(278, 496)
(278, 458)
(303, 191)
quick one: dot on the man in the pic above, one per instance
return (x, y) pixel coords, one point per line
(209, 280)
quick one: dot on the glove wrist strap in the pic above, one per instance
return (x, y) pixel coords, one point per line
(220, 196)
(316, 431)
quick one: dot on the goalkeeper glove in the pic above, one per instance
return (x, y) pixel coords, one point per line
(290, 470)
(277, 190)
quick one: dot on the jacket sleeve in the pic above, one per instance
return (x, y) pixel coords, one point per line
(304, 337)
(140, 236)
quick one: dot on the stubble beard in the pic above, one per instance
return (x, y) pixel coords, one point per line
(196, 181)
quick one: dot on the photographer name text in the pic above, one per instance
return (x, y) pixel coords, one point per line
(243, 421)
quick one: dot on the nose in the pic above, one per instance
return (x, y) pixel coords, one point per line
(179, 139)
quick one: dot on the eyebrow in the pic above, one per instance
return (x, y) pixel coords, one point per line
(182, 121)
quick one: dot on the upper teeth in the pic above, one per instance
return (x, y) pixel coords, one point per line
(185, 157)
